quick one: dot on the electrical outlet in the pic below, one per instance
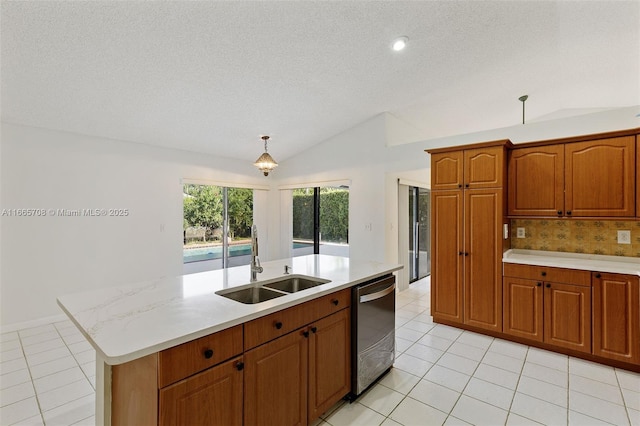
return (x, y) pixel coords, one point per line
(520, 233)
(624, 237)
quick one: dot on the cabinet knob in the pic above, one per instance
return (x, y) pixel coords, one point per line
(240, 366)
(543, 273)
(538, 284)
(335, 302)
(548, 285)
(459, 185)
(598, 275)
(466, 253)
(208, 353)
(559, 212)
(278, 325)
(460, 253)
(305, 333)
(466, 185)
(314, 329)
(568, 212)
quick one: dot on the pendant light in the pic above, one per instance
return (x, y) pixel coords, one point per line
(265, 163)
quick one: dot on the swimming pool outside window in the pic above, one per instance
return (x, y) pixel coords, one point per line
(217, 220)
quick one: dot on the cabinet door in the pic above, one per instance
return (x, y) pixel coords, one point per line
(446, 170)
(637, 184)
(484, 167)
(536, 181)
(600, 177)
(522, 316)
(213, 397)
(616, 317)
(329, 362)
(275, 382)
(567, 316)
(483, 211)
(447, 255)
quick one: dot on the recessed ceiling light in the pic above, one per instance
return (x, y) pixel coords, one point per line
(399, 43)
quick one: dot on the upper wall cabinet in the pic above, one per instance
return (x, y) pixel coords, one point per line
(470, 169)
(536, 181)
(582, 179)
(600, 177)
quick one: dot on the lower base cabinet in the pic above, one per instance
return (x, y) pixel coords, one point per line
(616, 317)
(549, 305)
(189, 402)
(294, 379)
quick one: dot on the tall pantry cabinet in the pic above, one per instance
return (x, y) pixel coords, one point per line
(468, 212)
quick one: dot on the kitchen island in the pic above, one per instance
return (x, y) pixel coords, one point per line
(129, 323)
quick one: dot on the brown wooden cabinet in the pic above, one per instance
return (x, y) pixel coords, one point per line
(276, 382)
(550, 305)
(637, 176)
(616, 317)
(213, 397)
(467, 213)
(600, 177)
(595, 178)
(329, 362)
(536, 181)
(293, 379)
(480, 167)
(482, 254)
(446, 262)
(523, 308)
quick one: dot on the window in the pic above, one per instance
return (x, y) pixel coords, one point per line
(209, 214)
(321, 221)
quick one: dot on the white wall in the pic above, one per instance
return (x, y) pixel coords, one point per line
(45, 257)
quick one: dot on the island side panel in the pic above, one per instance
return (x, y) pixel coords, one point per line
(103, 392)
(134, 392)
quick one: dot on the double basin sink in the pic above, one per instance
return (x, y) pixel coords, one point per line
(267, 290)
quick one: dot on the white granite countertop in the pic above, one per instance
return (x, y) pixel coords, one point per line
(586, 262)
(128, 322)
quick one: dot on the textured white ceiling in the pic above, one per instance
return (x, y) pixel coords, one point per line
(213, 76)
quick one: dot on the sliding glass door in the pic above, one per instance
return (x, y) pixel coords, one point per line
(419, 233)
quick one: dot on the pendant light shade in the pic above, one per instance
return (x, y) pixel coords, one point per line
(265, 162)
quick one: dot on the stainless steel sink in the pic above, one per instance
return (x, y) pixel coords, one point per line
(294, 284)
(252, 295)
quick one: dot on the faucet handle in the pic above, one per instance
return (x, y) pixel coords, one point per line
(287, 269)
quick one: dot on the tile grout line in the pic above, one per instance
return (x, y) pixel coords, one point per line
(35, 392)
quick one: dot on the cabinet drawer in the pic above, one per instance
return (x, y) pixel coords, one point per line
(189, 358)
(331, 303)
(267, 328)
(544, 273)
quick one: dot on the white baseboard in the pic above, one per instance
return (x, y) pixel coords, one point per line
(33, 323)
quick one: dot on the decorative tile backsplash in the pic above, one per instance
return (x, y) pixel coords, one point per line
(576, 236)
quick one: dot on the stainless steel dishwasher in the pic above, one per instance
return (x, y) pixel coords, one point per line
(373, 306)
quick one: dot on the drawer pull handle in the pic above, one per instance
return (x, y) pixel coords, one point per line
(544, 274)
(278, 325)
(335, 302)
(240, 366)
(208, 353)
(314, 329)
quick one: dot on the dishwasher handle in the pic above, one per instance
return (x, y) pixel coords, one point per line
(378, 295)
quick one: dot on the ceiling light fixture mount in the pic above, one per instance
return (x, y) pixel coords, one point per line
(265, 162)
(523, 99)
(399, 43)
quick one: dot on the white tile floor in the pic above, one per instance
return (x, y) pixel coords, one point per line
(442, 376)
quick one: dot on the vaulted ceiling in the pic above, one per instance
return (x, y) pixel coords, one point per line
(211, 76)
